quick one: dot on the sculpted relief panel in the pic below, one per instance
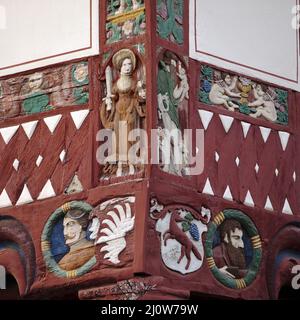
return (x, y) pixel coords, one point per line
(230, 243)
(233, 249)
(173, 101)
(44, 91)
(181, 229)
(66, 244)
(125, 19)
(78, 236)
(240, 94)
(112, 227)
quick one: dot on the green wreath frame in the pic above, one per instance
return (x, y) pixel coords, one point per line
(252, 232)
(51, 264)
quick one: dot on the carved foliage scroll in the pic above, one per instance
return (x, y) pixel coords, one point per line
(125, 19)
(170, 20)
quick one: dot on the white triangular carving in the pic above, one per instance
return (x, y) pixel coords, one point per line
(284, 139)
(25, 196)
(295, 176)
(269, 205)
(29, 128)
(75, 186)
(227, 122)
(265, 132)
(287, 208)
(217, 157)
(79, 117)
(237, 161)
(52, 122)
(227, 195)
(246, 126)
(249, 200)
(4, 200)
(277, 172)
(39, 161)
(8, 133)
(62, 155)
(16, 164)
(47, 191)
(207, 188)
(206, 117)
(257, 168)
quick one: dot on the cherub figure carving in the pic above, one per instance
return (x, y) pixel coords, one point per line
(222, 91)
(141, 103)
(181, 91)
(135, 6)
(264, 104)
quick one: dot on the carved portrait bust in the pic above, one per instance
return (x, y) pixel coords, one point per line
(81, 250)
(233, 249)
(229, 255)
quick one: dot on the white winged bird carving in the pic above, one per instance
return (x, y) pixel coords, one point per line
(114, 228)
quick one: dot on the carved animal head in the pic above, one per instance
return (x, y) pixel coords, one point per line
(155, 206)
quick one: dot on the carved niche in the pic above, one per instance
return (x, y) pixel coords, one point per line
(122, 114)
(173, 102)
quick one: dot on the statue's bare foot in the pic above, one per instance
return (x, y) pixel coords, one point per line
(131, 170)
(120, 171)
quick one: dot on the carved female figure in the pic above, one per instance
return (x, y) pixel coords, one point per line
(120, 107)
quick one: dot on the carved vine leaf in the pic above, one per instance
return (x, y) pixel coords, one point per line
(169, 20)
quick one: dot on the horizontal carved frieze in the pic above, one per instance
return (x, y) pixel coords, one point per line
(49, 89)
(240, 94)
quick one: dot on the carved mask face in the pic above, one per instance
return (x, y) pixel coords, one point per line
(94, 228)
(228, 80)
(72, 231)
(126, 68)
(35, 81)
(260, 91)
(142, 93)
(81, 72)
